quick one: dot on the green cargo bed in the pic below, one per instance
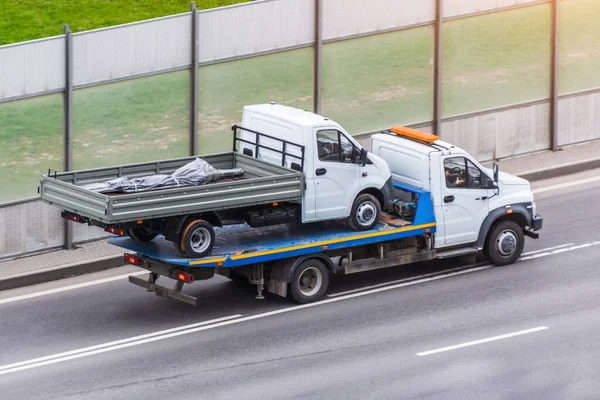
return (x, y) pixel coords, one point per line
(262, 183)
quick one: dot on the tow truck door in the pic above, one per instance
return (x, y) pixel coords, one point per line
(463, 201)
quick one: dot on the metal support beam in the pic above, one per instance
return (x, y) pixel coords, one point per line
(317, 57)
(554, 76)
(68, 124)
(194, 84)
(437, 68)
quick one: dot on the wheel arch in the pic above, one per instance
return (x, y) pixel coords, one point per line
(517, 213)
(377, 193)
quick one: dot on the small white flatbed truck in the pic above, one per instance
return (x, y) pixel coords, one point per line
(438, 202)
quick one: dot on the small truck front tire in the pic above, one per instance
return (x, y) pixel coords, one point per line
(365, 212)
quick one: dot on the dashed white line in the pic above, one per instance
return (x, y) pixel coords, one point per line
(480, 341)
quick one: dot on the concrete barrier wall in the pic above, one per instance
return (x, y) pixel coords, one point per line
(579, 117)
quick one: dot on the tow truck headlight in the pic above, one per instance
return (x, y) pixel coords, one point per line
(533, 208)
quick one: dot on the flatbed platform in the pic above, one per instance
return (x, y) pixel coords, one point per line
(239, 245)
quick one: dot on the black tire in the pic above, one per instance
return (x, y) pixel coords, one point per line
(141, 234)
(504, 243)
(365, 212)
(310, 281)
(197, 239)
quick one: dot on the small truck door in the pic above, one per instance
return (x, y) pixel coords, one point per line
(336, 175)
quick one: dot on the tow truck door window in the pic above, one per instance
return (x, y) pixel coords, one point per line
(463, 200)
(336, 176)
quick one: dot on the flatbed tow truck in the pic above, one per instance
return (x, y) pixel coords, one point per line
(290, 260)
(313, 202)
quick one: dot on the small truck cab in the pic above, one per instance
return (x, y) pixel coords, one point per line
(341, 179)
(476, 208)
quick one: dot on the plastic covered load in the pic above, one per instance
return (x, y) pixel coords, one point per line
(197, 172)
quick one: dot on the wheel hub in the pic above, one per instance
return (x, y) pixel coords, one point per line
(310, 281)
(506, 243)
(200, 240)
(366, 213)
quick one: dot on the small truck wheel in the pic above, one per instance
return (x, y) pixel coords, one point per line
(504, 243)
(197, 239)
(365, 212)
(310, 281)
(141, 234)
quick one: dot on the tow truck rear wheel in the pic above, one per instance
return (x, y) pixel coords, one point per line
(365, 212)
(197, 239)
(505, 242)
(141, 234)
(310, 281)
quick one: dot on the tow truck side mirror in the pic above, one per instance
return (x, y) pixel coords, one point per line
(495, 170)
(362, 158)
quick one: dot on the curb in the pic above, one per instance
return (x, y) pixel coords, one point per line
(561, 169)
(61, 272)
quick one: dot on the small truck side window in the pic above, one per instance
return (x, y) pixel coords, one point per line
(333, 146)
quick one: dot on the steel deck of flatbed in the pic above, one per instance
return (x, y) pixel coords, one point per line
(240, 245)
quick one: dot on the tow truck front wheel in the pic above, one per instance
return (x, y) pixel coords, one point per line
(505, 242)
(365, 212)
(310, 281)
(197, 239)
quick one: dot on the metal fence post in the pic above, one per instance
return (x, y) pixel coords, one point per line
(437, 68)
(554, 75)
(68, 123)
(194, 84)
(317, 55)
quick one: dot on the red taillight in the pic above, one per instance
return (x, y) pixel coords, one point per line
(74, 218)
(116, 231)
(182, 276)
(131, 259)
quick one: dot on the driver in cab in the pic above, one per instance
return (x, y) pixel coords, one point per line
(453, 177)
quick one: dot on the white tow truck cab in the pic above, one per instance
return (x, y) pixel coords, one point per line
(476, 208)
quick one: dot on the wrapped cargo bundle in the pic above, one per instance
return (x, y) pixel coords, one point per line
(197, 172)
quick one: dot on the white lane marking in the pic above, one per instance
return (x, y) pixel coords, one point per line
(118, 342)
(548, 248)
(475, 342)
(527, 256)
(565, 185)
(445, 272)
(558, 251)
(7, 369)
(70, 287)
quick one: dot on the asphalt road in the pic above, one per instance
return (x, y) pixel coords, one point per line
(525, 331)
